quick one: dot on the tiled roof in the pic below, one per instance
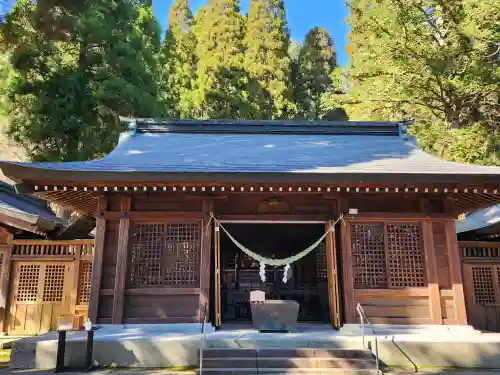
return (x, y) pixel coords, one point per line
(480, 219)
(30, 210)
(201, 147)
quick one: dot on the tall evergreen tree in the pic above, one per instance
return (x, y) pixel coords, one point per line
(79, 65)
(222, 84)
(266, 56)
(317, 60)
(434, 61)
(179, 59)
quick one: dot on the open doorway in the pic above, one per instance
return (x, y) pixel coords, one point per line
(307, 279)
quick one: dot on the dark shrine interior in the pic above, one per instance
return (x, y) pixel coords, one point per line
(307, 278)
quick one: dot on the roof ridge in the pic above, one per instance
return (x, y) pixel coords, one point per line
(320, 127)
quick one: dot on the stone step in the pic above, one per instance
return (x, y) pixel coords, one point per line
(280, 371)
(289, 363)
(287, 353)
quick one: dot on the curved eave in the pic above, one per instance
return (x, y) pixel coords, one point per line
(33, 224)
(27, 173)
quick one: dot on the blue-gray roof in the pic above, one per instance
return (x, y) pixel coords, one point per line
(336, 149)
(480, 219)
(25, 212)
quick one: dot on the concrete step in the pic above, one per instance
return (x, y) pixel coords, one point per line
(288, 363)
(316, 352)
(287, 353)
(279, 371)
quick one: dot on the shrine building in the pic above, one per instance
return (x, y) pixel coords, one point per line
(166, 198)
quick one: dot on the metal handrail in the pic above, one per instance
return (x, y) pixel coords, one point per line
(363, 318)
(203, 338)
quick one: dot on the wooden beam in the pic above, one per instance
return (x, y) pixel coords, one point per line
(153, 215)
(275, 217)
(48, 242)
(391, 294)
(455, 271)
(432, 273)
(100, 236)
(121, 261)
(206, 230)
(396, 216)
(157, 291)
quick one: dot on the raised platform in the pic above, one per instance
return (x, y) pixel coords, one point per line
(177, 345)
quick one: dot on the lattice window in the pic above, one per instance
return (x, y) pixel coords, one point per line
(405, 255)
(27, 288)
(368, 252)
(165, 254)
(182, 254)
(321, 267)
(84, 282)
(53, 285)
(484, 290)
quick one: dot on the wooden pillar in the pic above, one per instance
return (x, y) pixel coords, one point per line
(432, 273)
(121, 261)
(75, 279)
(208, 207)
(455, 272)
(100, 235)
(4, 283)
(347, 270)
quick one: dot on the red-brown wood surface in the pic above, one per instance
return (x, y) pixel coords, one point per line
(97, 261)
(347, 271)
(432, 274)
(121, 262)
(208, 207)
(455, 272)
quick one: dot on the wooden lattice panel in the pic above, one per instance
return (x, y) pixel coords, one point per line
(405, 255)
(165, 254)
(84, 282)
(321, 267)
(53, 285)
(27, 287)
(484, 290)
(182, 254)
(148, 242)
(368, 251)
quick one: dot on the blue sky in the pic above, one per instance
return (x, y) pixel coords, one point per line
(302, 15)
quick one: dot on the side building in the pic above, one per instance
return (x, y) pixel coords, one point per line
(176, 199)
(37, 267)
(479, 243)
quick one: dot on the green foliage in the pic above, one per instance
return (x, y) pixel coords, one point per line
(435, 62)
(78, 66)
(266, 57)
(179, 60)
(316, 62)
(219, 34)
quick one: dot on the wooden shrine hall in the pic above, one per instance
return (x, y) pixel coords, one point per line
(160, 257)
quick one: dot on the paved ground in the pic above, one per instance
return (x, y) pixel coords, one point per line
(5, 371)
